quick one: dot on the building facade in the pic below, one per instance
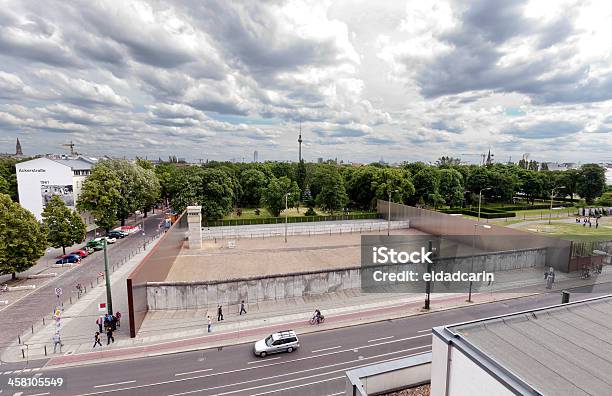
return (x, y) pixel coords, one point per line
(41, 178)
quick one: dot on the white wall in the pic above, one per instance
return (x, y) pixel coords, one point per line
(32, 175)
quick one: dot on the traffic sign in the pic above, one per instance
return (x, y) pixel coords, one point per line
(58, 313)
(102, 307)
(58, 291)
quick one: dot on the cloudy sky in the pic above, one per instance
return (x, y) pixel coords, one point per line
(402, 80)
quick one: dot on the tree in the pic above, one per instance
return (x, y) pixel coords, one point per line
(426, 184)
(150, 192)
(101, 195)
(532, 185)
(569, 179)
(22, 241)
(131, 187)
(301, 175)
(273, 196)
(332, 195)
(543, 166)
(451, 187)
(253, 181)
(165, 173)
(393, 180)
(216, 195)
(360, 186)
(591, 182)
(605, 199)
(63, 226)
(447, 161)
(9, 174)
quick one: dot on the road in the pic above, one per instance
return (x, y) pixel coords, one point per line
(317, 368)
(19, 317)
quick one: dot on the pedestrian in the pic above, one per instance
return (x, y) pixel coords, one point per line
(550, 278)
(219, 313)
(242, 309)
(97, 339)
(118, 317)
(113, 322)
(109, 336)
(209, 324)
(100, 322)
(57, 341)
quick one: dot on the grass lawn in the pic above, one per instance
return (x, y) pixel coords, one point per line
(573, 231)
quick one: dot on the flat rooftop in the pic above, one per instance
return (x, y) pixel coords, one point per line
(565, 350)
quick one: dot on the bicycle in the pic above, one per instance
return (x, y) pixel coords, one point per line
(317, 320)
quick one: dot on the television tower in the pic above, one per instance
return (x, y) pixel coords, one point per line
(300, 142)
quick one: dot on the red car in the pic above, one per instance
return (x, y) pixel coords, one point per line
(80, 252)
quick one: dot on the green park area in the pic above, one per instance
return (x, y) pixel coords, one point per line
(573, 231)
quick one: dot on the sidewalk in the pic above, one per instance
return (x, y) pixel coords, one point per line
(174, 331)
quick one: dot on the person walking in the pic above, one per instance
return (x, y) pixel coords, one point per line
(550, 278)
(97, 339)
(242, 309)
(109, 336)
(118, 317)
(100, 322)
(209, 324)
(219, 313)
(57, 341)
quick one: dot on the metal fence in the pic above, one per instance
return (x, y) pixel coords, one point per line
(269, 231)
(292, 219)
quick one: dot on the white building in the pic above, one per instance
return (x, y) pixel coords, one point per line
(41, 178)
(562, 350)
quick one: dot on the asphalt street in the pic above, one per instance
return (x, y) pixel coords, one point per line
(317, 368)
(19, 317)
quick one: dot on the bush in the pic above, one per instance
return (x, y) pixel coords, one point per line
(310, 212)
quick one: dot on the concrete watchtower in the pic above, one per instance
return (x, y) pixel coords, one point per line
(194, 219)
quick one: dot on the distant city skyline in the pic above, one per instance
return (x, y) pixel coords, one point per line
(406, 80)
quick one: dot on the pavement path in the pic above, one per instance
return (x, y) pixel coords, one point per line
(27, 312)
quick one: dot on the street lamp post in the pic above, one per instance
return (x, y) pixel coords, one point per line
(480, 199)
(286, 208)
(389, 215)
(144, 235)
(473, 253)
(109, 298)
(552, 194)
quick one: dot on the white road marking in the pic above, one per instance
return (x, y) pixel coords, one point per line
(326, 349)
(263, 361)
(382, 338)
(424, 331)
(40, 394)
(116, 383)
(36, 369)
(8, 372)
(281, 382)
(254, 367)
(300, 386)
(192, 372)
(25, 370)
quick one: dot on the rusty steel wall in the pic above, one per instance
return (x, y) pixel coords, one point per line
(153, 268)
(464, 231)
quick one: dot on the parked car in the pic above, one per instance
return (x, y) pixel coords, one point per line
(108, 240)
(71, 258)
(80, 252)
(117, 234)
(282, 341)
(95, 244)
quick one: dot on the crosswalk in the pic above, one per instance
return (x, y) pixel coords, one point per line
(21, 371)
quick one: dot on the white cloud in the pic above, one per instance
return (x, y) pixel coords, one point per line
(404, 80)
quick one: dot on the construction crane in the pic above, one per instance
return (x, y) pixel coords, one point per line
(71, 145)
